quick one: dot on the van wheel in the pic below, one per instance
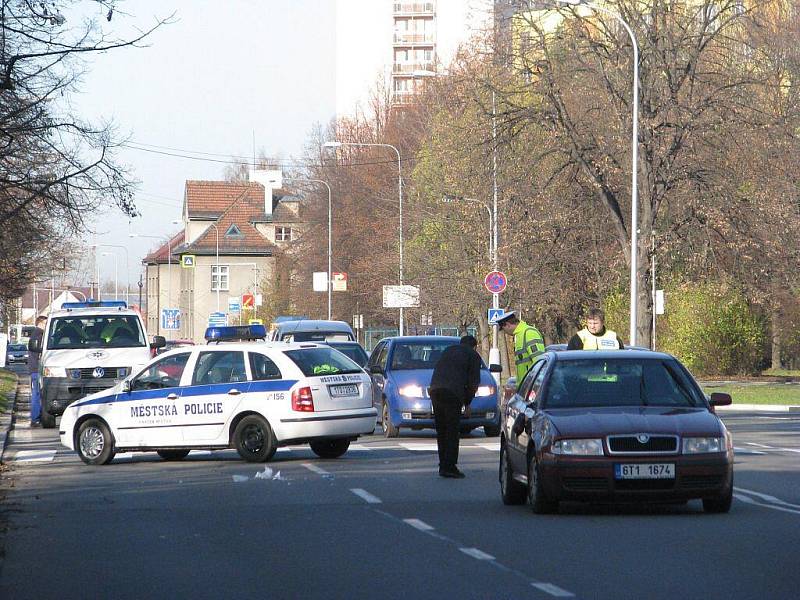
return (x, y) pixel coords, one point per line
(172, 454)
(389, 430)
(47, 420)
(94, 443)
(254, 440)
(330, 448)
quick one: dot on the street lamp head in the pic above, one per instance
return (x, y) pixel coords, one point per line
(332, 144)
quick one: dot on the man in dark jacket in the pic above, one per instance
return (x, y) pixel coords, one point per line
(34, 354)
(455, 380)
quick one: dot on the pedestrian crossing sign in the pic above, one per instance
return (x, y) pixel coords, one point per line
(495, 314)
(188, 261)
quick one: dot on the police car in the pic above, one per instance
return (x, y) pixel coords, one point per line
(253, 396)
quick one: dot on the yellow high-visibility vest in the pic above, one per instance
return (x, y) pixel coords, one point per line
(607, 341)
(528, 344)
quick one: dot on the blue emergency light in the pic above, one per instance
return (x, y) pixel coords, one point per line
(96, 304)
(235, 333)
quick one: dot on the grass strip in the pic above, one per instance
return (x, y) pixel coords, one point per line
(767, 393)
(8, 380)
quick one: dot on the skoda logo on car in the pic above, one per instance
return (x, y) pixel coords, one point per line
(643, 438)
(98, 372)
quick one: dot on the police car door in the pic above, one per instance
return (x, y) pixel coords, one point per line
(149, 414)
(219, 383)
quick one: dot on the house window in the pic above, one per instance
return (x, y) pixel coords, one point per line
(219, 278)
(234, 231)
(283, 234)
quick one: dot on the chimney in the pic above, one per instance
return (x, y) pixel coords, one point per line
(271, 180)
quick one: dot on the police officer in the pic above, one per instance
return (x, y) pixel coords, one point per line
(455, 380)
(528, 341)
(595, 336)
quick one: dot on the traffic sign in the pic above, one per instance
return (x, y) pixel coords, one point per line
(400, 296)
(234, 305)
(216, 319)
(171, 319)
(495, 314)
(255, 322)
(495, 282)
(249, 301)
(339, 282)
(188, 261)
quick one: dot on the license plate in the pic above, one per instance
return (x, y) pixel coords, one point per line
(644, 471)
(339, 391)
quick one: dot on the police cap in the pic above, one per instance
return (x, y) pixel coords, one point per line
(506, 317)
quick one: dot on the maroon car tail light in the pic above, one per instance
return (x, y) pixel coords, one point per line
(302, 400)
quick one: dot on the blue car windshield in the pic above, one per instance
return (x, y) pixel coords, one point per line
(419, 355)
(619, 382)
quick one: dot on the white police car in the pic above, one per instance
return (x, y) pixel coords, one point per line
(251, 396)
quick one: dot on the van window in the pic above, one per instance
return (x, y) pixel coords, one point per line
(95, 331)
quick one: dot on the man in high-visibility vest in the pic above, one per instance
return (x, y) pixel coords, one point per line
(595, 336)
(528, 341)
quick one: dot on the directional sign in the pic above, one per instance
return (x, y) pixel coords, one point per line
(234, 305)
(171, 319)
(339, 282)
(217, 319)
(188, 261)
(495, 282)
(248, 301)
(495, 314)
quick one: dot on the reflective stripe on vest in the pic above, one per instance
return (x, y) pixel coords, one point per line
(528, 344)
(607, 341)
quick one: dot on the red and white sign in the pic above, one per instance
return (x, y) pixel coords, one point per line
(339, 282)
(495, 282)
(248, 301)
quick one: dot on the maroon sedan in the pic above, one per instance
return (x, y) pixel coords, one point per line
(609, 426)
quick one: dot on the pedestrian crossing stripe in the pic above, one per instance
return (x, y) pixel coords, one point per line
(35, 456)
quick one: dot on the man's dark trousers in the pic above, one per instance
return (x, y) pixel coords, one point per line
(447, 416)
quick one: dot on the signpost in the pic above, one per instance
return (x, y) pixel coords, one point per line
(234, 306)
(494, 314)
(400, 296)
(217, 319)
(495, 282)
(188, 261)
(339, 282)
(171, 319)
(248, 301)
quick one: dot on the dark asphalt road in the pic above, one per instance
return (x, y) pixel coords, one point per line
(379, 523)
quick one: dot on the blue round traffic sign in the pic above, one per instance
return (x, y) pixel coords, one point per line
(495, 282)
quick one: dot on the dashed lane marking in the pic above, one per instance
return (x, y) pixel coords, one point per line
(767, 498)
(366, 496)
(417, 524)
(748, 451)
(553, 590)
(475, 553)
(492, 446)
(420, 447)
(315, 469)
(35, 456)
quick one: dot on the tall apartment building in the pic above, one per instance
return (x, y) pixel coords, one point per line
(398, 43)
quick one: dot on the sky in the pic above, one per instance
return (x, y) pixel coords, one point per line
(223, 74)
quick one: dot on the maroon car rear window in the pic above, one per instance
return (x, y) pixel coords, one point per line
(619, 382)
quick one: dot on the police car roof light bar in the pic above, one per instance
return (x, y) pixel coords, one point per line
(95, 304)
(234, 333)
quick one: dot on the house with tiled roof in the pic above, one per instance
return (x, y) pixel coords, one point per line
(232, 231)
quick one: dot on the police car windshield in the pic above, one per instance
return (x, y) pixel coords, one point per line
(95, 331)
(322, 361)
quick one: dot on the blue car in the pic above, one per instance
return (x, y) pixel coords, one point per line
(401, 369)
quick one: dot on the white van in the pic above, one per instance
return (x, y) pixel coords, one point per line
(88, 347)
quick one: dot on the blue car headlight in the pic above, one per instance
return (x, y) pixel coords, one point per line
(486, 390)
(412, 391)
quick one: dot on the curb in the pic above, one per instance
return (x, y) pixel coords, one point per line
(758, 408)
(7, 418)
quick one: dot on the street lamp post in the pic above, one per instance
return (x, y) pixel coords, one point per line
(97, 267)
(336, 144)
(634, 156)
(116, 273)
(330, 236)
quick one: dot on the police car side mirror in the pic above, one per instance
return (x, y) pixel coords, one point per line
(126, 386)
(159, 341)
(495, 368)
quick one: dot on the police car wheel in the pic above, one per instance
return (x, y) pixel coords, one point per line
(254, 440)
(330, 448)
(172, 454)
(95, 445)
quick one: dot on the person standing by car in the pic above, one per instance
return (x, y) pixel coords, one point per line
(455, 380)
(34, 354)
(595, 336)
(528, 341)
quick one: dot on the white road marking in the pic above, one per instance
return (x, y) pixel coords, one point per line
(366, 496)
(420, 447)
(492, 446)
(747, 451)
(759, 445)
(35, 455)
(315, 469)
(553, 590)
(359, 448)
(123, 455)
(767, 497)
(747, 500)
(475, 553)
(417, 524)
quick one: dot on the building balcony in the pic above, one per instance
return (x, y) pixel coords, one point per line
(402, 38)
(403, 97)
(413, 9)
(409, 68)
